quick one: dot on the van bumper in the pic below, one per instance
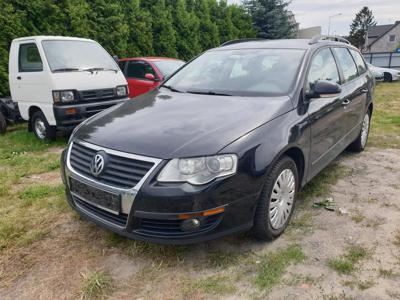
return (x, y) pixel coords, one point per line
(68, 116)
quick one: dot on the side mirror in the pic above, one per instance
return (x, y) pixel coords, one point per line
(325, 89)
(150, 77)
(115, 57)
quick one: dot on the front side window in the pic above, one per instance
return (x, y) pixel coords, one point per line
(323, 67)
(359, 61)
(347, 64)
(243, 72)
(29, 58)
(74, 55)
(138, 69)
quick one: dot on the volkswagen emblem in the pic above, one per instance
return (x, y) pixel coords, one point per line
(97, 164)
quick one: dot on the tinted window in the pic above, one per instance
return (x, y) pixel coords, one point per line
(359, 61)
(244, 72)
(347, 63)
(137, 69)
(323, 67)
(29, 58)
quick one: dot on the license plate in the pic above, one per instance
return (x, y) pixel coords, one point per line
(102, 199)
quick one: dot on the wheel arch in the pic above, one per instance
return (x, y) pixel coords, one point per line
(31, 111)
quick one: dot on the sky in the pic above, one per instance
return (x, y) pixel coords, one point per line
(317, 12)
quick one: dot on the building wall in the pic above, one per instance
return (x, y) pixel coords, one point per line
(308, 33)
(383, 44)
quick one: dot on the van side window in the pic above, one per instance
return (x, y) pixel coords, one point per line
(347, 63)
(362, 68)
(137, 69)
(323, 67)
(29, 58)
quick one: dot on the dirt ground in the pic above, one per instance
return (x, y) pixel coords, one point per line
(367, 215)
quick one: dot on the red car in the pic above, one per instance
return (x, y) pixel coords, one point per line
(145, 73)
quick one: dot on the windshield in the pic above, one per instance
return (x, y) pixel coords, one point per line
(64, 55)
(245, 72)
(168, 67)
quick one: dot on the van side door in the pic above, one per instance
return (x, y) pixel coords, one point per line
(325, 113)
(355, 86)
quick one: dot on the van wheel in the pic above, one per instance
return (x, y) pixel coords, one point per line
(387, 77)
(41, 127)
(3, 123)
(361, 141)
(276, 204)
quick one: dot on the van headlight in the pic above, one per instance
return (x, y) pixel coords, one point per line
(199, 170)
(63, 96)
(122, 90)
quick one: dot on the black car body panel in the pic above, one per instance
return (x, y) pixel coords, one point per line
(164, 125)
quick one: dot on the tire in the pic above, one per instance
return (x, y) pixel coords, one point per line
(41, 127)
(3, 123)
(360, 142)
(265, 215)
(387, 77)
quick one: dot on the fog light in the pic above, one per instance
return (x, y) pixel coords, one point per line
(190, 224)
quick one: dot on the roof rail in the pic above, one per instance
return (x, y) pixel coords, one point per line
(232, 42)
(334, 38)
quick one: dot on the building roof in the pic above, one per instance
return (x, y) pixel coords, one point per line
(378, 31)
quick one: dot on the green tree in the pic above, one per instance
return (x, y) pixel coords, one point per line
(271, 18)
(359, 27)
(208, 30)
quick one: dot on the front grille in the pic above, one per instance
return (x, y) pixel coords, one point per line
(119, 220)
(98, 94)
(172, 228)
(119, 172)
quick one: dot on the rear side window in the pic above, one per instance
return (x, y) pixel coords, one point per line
(137, 69)
(323, 67)
(347, 63)
(29, 58)
(362, 68)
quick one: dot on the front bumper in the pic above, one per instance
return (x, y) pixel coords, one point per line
(68, 116)
(152, 211)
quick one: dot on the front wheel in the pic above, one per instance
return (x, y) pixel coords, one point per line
(276, 203)
(41, 127)
(387, 77)
(361, 141)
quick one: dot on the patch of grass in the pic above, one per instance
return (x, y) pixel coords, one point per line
(273, 265)
(385, 124)
(386, 273)
(301, 222)
(222, 259)
(95, 285)
(346, 264)
(297, 279)
(357, 216)
(319, 186)
(360, 284)
(215, 285)
(397, 238)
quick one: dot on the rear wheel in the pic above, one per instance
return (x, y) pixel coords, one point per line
(361, 141)
(387, 77)
(276, 203)
(41, 127)
(3, 123)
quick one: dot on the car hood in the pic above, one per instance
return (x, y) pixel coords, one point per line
(168, 124)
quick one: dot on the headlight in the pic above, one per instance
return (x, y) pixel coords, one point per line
(199, 170)
(122, 90)
(63, 96)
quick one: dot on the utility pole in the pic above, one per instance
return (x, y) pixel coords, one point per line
(329, 25)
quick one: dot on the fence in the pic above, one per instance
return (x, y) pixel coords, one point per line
(384, 59)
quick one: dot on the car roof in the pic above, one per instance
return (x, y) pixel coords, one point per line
(281, 44)
(40, 38)
(150, 58)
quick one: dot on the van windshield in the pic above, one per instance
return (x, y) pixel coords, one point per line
(244, 72)
(70, 55)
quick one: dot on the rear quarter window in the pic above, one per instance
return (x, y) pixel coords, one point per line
(362, 68)
(346, 63)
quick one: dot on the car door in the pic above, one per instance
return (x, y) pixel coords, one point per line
(135, 75)
(325, 114)
(356, 87)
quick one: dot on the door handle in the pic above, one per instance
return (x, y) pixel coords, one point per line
(345, 102)
(18, 77)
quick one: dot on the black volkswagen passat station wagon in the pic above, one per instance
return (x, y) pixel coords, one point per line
(224, 145)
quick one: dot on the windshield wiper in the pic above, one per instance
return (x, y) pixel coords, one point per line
(208, 93)
(171, 88)
(66, 70)
(91, 70)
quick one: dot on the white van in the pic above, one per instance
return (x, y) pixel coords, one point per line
(60, 81)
